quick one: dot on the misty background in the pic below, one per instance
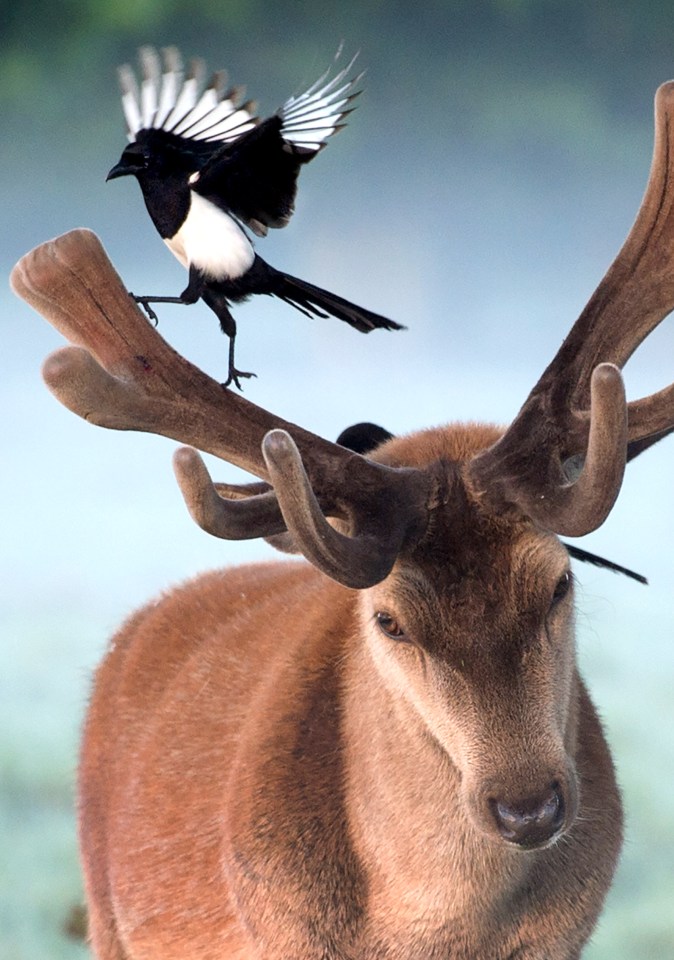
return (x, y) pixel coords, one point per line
(488, 177)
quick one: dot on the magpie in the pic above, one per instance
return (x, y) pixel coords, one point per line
(211, 174)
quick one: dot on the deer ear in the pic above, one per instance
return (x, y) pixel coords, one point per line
(586, 557)
(635, 447)
(283, 542)
(363, 437)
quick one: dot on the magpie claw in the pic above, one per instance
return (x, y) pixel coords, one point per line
(145, 304)
(233, 377)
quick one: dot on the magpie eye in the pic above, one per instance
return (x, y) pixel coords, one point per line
(562, 588)
(390, 626)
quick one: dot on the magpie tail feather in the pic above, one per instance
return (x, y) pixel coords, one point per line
(316, 302)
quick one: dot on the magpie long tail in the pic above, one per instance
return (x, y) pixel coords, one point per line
(315, 302)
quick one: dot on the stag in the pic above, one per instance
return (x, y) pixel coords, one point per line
(386, 753)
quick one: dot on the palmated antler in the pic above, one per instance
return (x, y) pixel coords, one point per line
(121, 374)
(562, 459)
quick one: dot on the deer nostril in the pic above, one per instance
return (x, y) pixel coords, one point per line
(532, 821)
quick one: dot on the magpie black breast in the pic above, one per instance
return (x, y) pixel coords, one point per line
(212, 174)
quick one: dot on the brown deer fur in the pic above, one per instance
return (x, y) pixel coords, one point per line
(265, 774)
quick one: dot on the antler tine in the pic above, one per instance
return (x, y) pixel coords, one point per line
(226, 517)
(635, 295)
(358, 561)
(384, 521)
(536, 462)
(121, 374)
(243, 491)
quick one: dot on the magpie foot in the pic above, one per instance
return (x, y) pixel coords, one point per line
(233, 377)
(145, 304)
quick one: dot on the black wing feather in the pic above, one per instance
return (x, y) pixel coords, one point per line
(255, 177)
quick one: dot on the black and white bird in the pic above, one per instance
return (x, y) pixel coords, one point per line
(212, 173)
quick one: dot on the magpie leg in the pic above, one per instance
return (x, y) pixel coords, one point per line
(145, 302)
(232, 373)
(219, 306)
(190, 294)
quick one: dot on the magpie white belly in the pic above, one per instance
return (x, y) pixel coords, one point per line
(212, 241)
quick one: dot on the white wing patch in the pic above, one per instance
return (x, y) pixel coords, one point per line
(313, 116)
(168, 99)
(212, 241)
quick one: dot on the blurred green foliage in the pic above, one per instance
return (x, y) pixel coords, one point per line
(576, 46)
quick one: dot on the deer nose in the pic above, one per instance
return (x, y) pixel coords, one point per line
(532, 821)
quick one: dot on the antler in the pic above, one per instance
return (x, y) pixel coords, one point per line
(121, 374)
(563, 457)
(561, 461)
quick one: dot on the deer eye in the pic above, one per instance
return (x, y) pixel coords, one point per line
(562, 587)
(390, 626)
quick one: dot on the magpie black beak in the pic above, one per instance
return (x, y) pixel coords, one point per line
(123, 169)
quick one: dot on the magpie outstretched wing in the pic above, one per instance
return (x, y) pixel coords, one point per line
(255, 176)
(200, 118)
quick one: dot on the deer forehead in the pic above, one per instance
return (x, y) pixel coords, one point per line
(470, 542)
(475, 547)
(454, 442)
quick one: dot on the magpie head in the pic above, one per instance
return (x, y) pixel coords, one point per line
(134, 160)
(156, 154)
